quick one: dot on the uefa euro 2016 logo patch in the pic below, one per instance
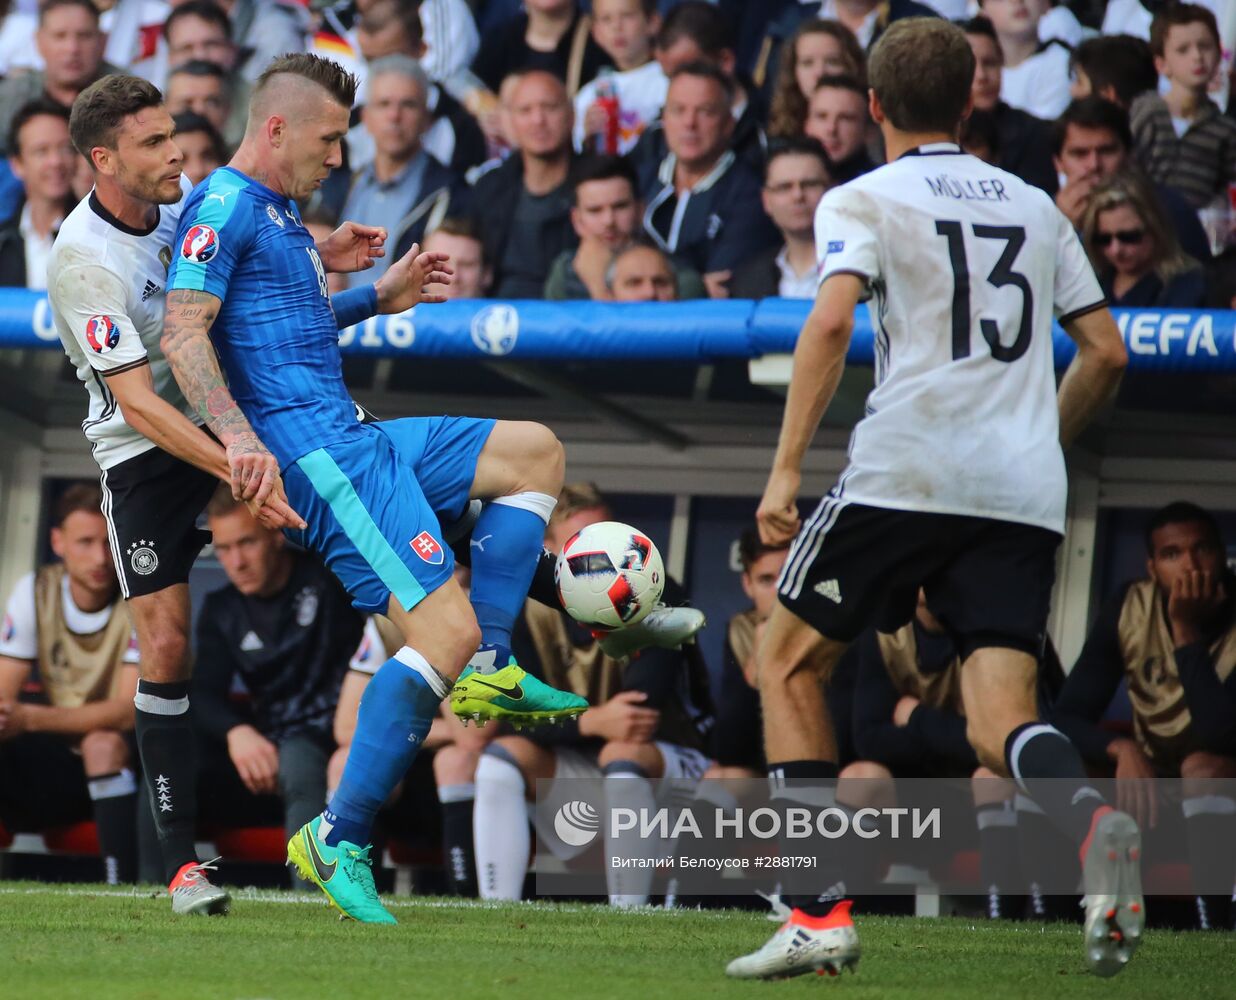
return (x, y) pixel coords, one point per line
(102, 334)
(200, 245)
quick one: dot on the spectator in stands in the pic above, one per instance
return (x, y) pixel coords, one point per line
(865, 19)
(285, 628)
(201, 144)
(261, 29)
(648, 721)
(43, 159)
(1172, 638)
(523, 207)
(69, 40)
(1023, 141)
(67, 628)
(392, 28)
(909, 723)
(1182, 139)
(837, 119)
(701, 200)
(553, 36)
(980, 136)
(696, 32)
(17, 28)
(1091, 142)
(200, 87)
(200, 32)
(817, 48)
(795, 180)
(405, 188)
(624, 29)
(1135, 254)
(640, 272)
(458, 238)
(1035, 76)
(1118, 68)
(605, 214)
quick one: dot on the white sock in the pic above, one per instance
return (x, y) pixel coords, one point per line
(628, 789)
(500, 834)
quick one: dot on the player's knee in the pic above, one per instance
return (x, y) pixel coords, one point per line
(988, 743)
(645, 756)
(546, 457)
(1201, 765)
(986, 786)
(865, 770)
(104, 751)
(453, 765)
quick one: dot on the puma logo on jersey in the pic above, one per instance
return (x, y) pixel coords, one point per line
(830, 590)
(222, 197)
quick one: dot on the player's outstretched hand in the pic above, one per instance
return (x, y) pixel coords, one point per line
(352, 247)
(403, 284)
(777, 516)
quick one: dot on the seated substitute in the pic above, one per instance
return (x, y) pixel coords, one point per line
(71, 758)
(737, 740)
(650, 718)
(286, 629)
(909, 722)
(1172, 638)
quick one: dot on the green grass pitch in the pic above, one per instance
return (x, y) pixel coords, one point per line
(87, 942)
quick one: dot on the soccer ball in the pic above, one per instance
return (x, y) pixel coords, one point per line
(609, 575)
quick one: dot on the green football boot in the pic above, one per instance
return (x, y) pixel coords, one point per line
(511, 695)
(344, 872)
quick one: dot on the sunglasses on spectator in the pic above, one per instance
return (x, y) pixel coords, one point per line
(1127, 237)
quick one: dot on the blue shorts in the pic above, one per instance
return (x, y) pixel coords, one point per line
(372, 504)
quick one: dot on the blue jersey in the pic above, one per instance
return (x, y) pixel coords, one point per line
(276, 333)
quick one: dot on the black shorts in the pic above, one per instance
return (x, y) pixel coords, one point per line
(42, 783)
(988, 581)
(152, 503)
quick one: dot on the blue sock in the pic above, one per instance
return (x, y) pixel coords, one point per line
(396, 711)
(506, 544)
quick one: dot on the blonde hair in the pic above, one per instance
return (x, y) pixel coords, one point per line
(1131, 188)
(576, 497)
(788, 109)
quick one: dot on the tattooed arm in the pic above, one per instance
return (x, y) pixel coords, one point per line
(187, 347)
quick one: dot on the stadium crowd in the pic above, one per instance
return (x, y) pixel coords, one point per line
(630, 151)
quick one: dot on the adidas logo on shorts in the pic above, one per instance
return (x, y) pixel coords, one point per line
(829, 590)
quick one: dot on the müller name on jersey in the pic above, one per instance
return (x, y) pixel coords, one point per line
(945, 186)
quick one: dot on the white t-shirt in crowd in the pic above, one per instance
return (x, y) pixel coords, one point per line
(641, 95)
(965, 266)
(1040, 84)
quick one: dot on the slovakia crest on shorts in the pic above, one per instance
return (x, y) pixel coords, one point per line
(102, 334)
(200, 245)
(427, 547)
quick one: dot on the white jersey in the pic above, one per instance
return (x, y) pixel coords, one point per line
(106, 284)
(964, 265)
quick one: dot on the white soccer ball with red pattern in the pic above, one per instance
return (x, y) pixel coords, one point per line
(609, 575)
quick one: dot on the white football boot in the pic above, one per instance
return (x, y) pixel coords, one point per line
(193, 893)
(824, 945)
(1111, 879)
(663, 628)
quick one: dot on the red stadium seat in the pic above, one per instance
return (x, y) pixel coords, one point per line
(250, 843)
(78, 838)
(6, 838)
